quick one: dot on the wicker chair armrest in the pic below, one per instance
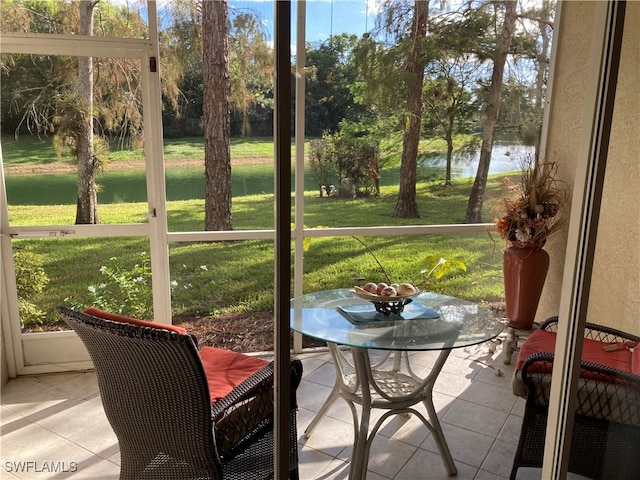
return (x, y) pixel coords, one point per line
(248, 409)
(550, 324)
(603, 392)
(260, 381)
(608, 334)
(595, 332)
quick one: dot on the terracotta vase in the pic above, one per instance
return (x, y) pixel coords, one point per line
(525, 270)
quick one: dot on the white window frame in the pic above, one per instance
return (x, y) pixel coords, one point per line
(35, 353)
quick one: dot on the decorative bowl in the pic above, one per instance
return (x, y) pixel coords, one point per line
(385, 305)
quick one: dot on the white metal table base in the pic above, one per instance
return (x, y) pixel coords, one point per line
(397, 392)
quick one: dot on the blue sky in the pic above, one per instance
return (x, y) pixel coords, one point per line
(324, 17)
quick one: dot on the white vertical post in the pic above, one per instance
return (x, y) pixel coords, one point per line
(9, 311)
(298, 262)
(154, 160)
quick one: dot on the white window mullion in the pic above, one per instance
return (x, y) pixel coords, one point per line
(156, 189)
(8, 290)
(298, 259)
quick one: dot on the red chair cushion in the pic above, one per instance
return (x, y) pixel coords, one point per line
(635, 361)
(226, 369)
(592, 351)
(114, 317)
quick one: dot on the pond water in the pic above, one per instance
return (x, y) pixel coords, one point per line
(505, 157)
(188, 183)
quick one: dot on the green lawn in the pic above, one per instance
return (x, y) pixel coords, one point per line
(29, 150)
(238, 276)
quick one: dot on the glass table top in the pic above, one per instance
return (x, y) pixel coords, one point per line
(429, 322)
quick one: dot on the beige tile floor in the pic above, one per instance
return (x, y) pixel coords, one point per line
(54, 427)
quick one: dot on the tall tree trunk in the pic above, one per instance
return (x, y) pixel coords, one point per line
(449, 139)
(216, 115)
(542, 64)
(407, 206)
(476, 199)
(87, 205)
(246, 125)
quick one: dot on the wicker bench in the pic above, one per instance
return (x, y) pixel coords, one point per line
(179, 412)
(606, 435)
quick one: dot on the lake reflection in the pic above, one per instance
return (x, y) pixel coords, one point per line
(505, 157)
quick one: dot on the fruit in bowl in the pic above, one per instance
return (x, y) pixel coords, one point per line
(386, 298)
(380, 287)
(406, 289)
(384, 292)
(370, 287)
(388, 291)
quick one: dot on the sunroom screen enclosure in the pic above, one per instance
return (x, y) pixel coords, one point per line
(166, 188)
(38, 353)
(159, 238)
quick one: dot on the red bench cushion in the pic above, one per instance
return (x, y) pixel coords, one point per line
(114, 317)
(544, 341)
(226, 369)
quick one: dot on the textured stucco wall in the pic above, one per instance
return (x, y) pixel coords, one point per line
(615, 291)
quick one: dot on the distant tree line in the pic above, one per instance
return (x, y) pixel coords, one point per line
(423, 71)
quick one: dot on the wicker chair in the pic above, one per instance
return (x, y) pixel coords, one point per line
(606, 435)
(155, 388)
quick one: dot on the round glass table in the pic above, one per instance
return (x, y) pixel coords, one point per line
(429, 322)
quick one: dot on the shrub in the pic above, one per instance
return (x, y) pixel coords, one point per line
(322, 164)
(126, 290)
(353, 163)
(31, 278)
